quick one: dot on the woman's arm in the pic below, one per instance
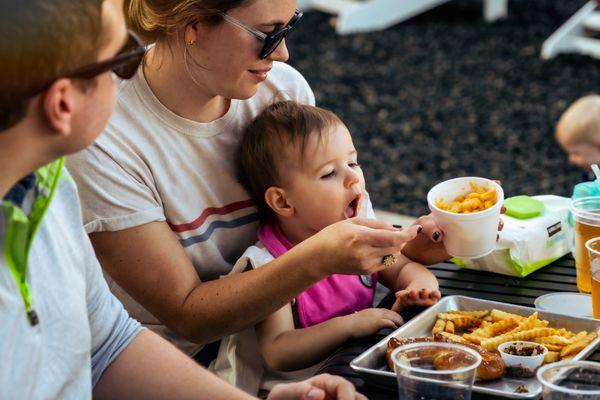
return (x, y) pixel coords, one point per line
(287, 349)
(149, 263)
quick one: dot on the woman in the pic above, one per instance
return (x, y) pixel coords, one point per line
(161, 199)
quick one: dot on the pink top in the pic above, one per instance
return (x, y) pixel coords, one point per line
(331, 297)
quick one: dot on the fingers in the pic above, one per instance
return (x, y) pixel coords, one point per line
(500, 225)
(430, 228)
(395, 239)
(374, 223)
(304, 390)
(334, 386)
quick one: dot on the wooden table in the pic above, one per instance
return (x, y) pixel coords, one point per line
(557, 277)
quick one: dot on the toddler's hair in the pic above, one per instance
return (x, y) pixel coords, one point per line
(581, 121)
(263, 150)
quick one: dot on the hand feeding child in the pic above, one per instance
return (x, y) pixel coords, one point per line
(301, 168)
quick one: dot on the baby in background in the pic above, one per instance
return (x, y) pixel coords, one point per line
(578, 133)
(302, 170)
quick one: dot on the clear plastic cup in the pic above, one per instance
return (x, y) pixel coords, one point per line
(586, 225)
(466, 235)
(419, 379)
(570, 380)
(593, 248)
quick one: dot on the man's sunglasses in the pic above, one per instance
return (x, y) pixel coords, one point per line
(124, 64)
(270, 40)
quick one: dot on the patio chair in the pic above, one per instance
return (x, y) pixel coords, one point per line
(577, 34)
(369, 15)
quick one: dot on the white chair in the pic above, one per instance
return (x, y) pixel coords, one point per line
(353, 16)
(571, 36)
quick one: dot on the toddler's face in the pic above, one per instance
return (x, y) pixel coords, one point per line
(582, 155)
(328, 186)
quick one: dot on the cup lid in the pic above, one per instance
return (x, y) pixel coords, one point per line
(568, 303)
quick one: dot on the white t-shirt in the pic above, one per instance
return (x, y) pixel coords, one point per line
(153, 165)
(239, 361)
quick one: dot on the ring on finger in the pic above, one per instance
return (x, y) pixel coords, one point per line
(389, 260)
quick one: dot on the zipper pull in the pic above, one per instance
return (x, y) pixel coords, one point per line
(33, 317)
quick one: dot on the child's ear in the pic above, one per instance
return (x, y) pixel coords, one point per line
(58, 105)
(276, 198)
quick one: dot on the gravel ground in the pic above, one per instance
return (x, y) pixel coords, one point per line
(446, 94)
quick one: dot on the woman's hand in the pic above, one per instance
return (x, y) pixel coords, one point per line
(320, 387)
(415, 297)
(355, 246)
(428, 247)
(371, 320)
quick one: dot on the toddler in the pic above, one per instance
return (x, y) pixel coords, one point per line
(578, 133)
(302, 170)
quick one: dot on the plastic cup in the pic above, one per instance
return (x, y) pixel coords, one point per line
(586, 225)
(466, 235)
(593, 248)
(570, 380)
(418, 379)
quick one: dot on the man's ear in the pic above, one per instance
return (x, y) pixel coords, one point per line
(276, 198)
(58, 103)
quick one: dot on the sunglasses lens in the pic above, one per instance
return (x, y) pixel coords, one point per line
(128, 69)
(271, 44)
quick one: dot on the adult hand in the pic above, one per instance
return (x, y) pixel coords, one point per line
(428, 248)
(355, 246)
(320, 387)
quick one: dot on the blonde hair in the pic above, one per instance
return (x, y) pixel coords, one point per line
(581, 121)
(154, 20)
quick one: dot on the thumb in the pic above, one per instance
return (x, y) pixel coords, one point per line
(314, 394)
(296, 391)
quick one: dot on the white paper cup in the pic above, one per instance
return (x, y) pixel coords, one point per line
(466, 235)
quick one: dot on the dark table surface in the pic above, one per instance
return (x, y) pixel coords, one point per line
(557, 277)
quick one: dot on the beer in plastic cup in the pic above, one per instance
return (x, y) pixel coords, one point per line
(586, 225)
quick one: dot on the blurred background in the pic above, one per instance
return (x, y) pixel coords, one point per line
(446, 94)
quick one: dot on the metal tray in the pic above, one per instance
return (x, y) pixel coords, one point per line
(372, 366)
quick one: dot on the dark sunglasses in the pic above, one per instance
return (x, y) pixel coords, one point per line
(124, 64)
(270, 40)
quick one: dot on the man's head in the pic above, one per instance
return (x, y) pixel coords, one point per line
(578, 131)
(43, 42)
(301, 166)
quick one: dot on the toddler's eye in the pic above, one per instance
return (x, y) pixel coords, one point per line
(328, 175)
(354, 164)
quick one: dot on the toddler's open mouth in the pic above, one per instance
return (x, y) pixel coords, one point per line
(352, 208)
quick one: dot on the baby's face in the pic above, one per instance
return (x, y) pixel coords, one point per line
(328, 186)
(582, 154)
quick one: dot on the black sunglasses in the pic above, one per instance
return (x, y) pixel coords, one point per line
(124, 64)
(270, 40)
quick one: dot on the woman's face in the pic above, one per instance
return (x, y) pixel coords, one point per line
(230, 65)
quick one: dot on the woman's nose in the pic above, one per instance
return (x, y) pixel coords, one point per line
(281, 53)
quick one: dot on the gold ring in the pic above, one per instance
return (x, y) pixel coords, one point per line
(389, 260)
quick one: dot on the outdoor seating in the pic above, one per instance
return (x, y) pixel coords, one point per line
(454, 280)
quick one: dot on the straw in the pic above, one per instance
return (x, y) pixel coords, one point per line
(596, 172)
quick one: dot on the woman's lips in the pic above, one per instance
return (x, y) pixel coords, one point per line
(261, 75)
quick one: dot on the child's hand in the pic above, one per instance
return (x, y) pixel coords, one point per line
(415, 297)
(371, 320)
